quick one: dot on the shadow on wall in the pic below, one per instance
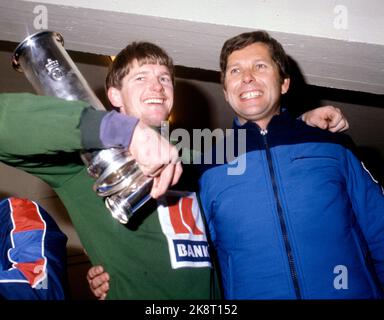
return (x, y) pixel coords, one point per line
(191, 108)
(299, 98)
(373, 162)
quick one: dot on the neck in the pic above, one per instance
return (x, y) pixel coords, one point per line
(261, 123)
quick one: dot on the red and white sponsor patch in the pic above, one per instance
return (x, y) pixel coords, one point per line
(182, 223)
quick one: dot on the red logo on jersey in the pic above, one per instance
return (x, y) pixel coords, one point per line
(182, 223)
(181, 216)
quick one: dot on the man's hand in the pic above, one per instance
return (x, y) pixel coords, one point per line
(156, 157)
(327, 118)
(98, 281)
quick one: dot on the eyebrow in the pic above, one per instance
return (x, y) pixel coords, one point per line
(236, 64)
(140, 72)
(148, 71)
(232, 65)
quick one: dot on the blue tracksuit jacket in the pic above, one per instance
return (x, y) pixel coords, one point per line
(305, 220)
(32, 252)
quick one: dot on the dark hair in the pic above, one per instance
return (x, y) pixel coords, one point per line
(144, 53)
(245, 39)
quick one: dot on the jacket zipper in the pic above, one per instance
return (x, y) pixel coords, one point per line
(283, 225)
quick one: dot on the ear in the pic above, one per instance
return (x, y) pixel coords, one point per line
(225, 94)
(285, 85)
(114, 96)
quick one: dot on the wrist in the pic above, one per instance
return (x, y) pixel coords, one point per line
(116, 130)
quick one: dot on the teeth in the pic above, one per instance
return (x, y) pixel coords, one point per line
(251, 94)
(153, 100)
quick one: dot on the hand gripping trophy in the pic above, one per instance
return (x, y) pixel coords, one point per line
(51, 71)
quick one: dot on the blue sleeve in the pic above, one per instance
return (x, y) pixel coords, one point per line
(367, 199)
(33, 260)
(14, 286)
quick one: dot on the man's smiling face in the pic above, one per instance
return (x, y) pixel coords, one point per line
(252, 84)
(146, 93)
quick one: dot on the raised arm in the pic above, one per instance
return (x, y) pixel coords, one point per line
(41, 126)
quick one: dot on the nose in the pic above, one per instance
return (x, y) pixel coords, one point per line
(248, 76)
(157, 85)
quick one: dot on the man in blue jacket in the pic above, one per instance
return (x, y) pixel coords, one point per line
(305, 220)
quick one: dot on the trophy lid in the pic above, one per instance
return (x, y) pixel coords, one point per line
(27, 42)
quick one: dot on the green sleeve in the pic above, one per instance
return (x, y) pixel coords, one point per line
(41, 135)
(90, 128)
(31, 124)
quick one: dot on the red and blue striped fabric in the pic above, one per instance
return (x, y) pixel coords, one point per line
(33, 253)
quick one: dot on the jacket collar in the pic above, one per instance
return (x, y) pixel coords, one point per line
(277, 123)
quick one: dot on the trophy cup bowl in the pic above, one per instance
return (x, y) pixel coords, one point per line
(124, 204)
(50, 69)
(52, 72)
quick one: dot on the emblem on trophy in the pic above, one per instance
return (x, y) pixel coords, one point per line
(54, 70)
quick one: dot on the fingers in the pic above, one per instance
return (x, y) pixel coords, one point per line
(152, 171)
(314, 118)
(101, 292)
(342, 125)
(156, 173)
(94, 272)
(326, 117)
(315, 121)
(320, 123)
(337, 121)
(156, 158)
(177, 174)
(151, 151)
(334, 117)
(168, 176)
(98, 281)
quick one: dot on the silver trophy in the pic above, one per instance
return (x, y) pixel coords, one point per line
(51, 71)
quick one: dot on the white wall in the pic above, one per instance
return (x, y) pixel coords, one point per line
(305, 17)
